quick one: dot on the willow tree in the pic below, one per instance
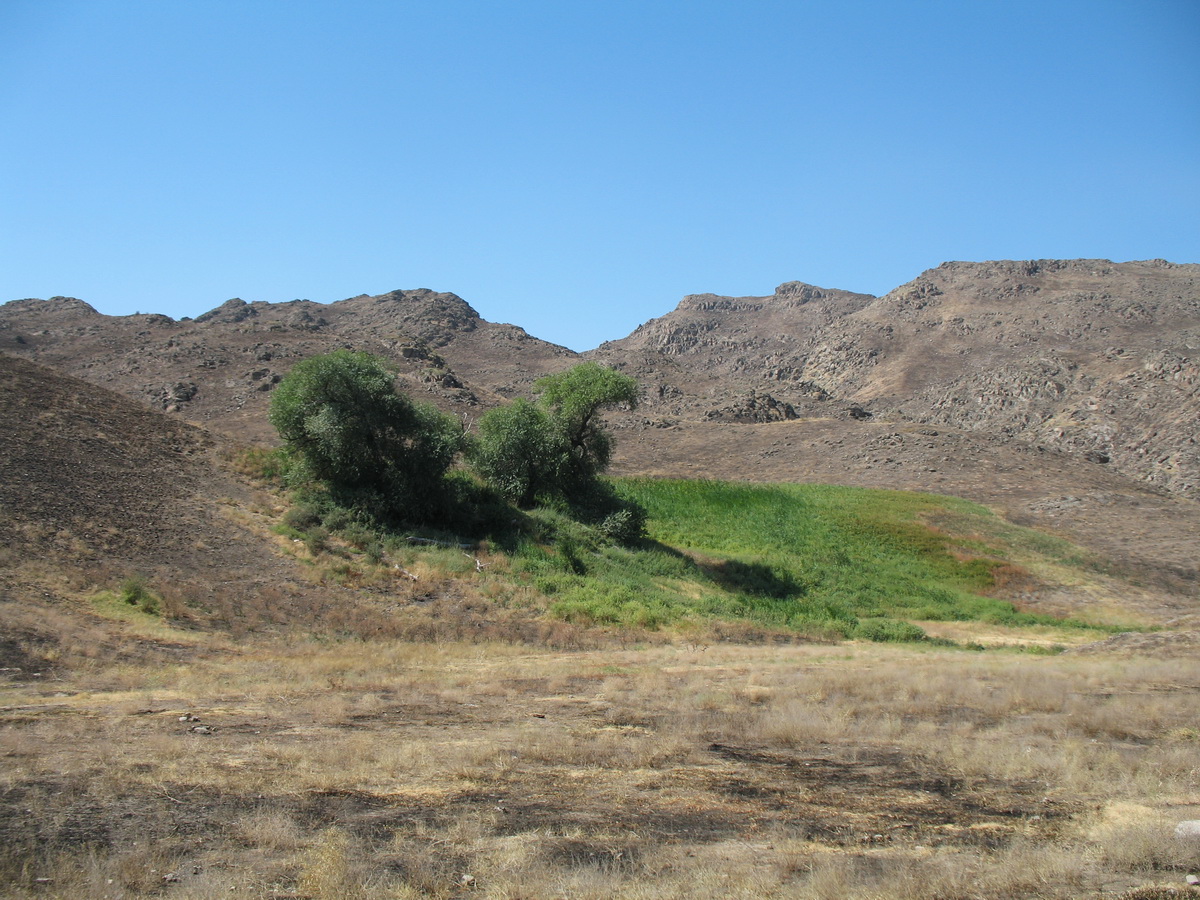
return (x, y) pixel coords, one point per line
(557, 445)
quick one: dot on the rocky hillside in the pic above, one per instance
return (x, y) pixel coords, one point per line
(734, 359)
(218, 369)
(1096, 359)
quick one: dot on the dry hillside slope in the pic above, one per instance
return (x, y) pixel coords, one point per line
(95, 489)
(88, 475)
(218, 369)
(1099, 360)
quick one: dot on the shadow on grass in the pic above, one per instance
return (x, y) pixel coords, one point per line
(736, 576)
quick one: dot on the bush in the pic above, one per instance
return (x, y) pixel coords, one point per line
(302, 517)
(887, 630)
(358, 536)
(136, 592)
(617, 518)
(625, 526)
(339, 519)
(316, 539)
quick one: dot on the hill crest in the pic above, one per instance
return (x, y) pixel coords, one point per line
(1088, 357)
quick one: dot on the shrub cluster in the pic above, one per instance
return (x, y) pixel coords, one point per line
(357, 449)
(136, 592)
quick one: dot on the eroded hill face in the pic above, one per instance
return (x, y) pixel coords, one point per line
(734, 359)
(1095, 359)
(95, 489)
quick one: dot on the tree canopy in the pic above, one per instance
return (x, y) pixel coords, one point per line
(574, 399)
(519, 452)
(556, 446)
(342, 418)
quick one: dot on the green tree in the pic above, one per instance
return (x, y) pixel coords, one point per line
(574, 399)
(557, 446)
(519, 452)
(341, 417)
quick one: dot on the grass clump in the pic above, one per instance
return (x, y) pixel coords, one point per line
(136, 592)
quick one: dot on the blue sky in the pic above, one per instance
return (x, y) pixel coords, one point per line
(576, 167)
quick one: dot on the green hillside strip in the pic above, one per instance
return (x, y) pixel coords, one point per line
(823, 559)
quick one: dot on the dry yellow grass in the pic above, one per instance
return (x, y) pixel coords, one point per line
(294, 768)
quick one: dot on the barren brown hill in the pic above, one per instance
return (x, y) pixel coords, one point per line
(734, 359)
(219, 368)
(95, 489)
(1089, 357)
(1093, 358)
(87, 475)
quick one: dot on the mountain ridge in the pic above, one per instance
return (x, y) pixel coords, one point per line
(1062, 393)
(1089, 357)
(1086, 356)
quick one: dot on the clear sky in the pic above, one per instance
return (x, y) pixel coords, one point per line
(575, 167)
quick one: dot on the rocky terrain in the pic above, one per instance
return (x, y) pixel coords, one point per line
(1065, 393)
(1088, 357)
(1096, 359)
(218, 369)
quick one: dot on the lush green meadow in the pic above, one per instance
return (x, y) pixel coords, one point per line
(836, 561)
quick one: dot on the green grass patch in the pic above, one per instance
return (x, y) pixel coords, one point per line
(135, 591)
(827, 561)
(822, 559)
(136, 604)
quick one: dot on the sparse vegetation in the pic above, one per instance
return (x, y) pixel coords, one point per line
(136, 592)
